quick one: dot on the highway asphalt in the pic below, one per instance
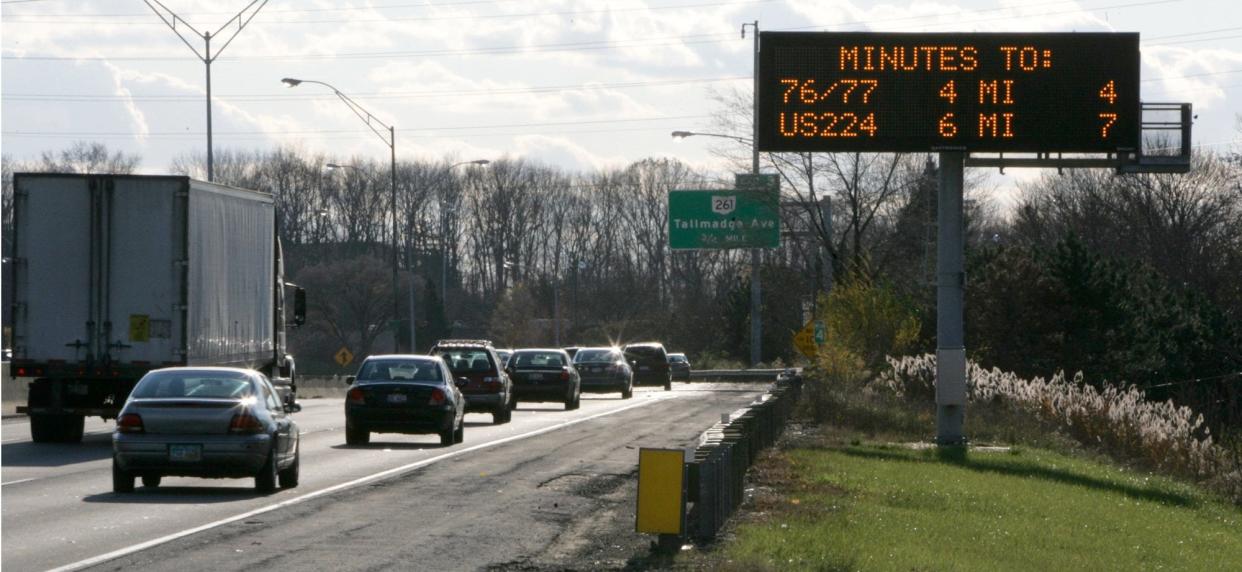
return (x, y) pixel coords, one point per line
(552, 489)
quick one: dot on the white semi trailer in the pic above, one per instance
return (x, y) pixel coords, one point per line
(116, 275)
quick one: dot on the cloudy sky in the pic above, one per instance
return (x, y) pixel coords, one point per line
(575, 83)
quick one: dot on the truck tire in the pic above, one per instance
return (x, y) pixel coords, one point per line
(72, 427)
(45, 428)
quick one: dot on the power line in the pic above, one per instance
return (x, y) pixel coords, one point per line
(88, 18)
(329, 131)
(571, 46)
(70, 98)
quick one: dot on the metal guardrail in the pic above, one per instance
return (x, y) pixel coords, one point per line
(716, 475)
(735, 374)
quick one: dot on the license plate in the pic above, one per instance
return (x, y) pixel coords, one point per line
(534, 376)
(596, 369)
(397, 398)
(644, 368)
(185, 453)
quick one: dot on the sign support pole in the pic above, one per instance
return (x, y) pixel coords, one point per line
(950, 284)
(756, 298)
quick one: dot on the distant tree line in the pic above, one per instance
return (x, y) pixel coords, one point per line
(1133, 278)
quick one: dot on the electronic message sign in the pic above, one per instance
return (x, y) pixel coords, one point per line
(1003, 92)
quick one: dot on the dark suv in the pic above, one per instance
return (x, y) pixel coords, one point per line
(650, 363)
(487, 388)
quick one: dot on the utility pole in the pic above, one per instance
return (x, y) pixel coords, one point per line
(242, 19)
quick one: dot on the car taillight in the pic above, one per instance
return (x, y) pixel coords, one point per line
(244, 422)
(356, 397)
(565, 374)
(437, 397)
(130, 423)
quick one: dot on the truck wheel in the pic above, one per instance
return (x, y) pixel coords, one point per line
(122, 481)
(72, 427)
(265, 481)
(45, 428)
(289, 476)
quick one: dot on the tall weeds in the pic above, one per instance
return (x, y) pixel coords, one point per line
(1117, 420)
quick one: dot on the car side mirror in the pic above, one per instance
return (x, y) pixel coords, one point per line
(349, 379)
(293, 407)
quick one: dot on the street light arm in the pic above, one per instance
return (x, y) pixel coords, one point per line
(685, 134)
(242, 20)
(366, 116)
(170, 19)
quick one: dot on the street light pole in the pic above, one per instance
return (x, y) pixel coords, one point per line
(391, 140)
(172, 19)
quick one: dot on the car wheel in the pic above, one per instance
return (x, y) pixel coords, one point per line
(628, 392)
(122, 480)
(151, 481)
(502, 415)
(446, 437)
(577, 401)
(355, 435)
(265, 481)
(289, 476)
(460, 434)
(668, 385)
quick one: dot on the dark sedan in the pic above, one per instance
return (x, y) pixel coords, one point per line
(404, 394)
(544, 375)
(604, 370)
(213, 422)
(679, 367)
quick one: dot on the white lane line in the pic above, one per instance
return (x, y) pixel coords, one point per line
(340, 487)
(18, 481)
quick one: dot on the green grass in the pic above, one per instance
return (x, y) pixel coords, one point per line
(875, 507)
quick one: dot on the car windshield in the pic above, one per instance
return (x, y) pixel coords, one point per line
(676, 358)
(466, 360)
(533, 360)
(400, 370)
(194, 385)
(596, 356)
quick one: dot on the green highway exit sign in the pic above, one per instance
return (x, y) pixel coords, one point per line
(747, 216)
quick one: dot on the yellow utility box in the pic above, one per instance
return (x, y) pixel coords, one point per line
(661, 491)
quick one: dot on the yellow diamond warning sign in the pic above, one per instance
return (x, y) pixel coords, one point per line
(344, 356)
(804, 340)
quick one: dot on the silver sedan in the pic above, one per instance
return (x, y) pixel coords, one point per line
(211, 422)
